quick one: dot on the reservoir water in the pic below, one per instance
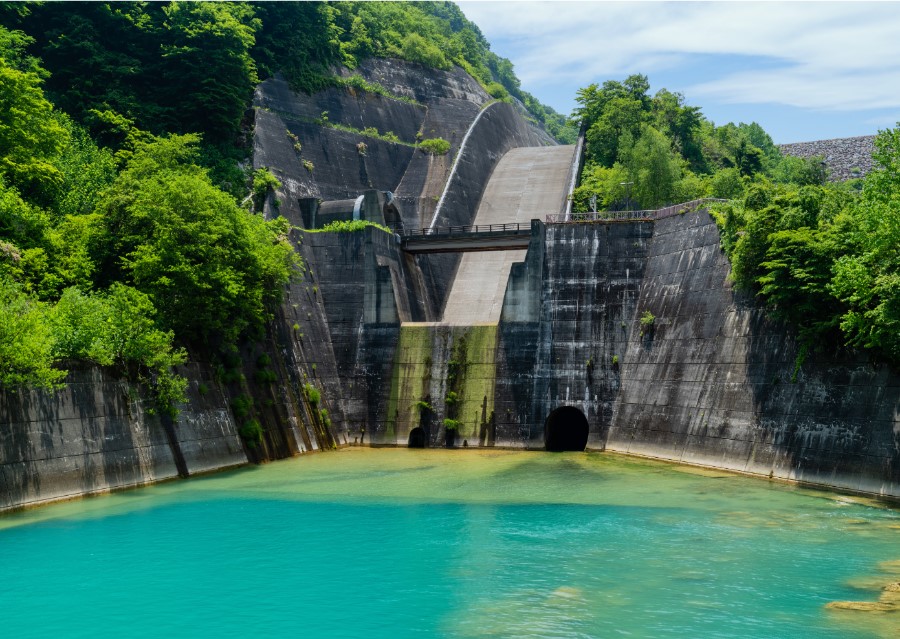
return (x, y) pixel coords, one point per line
(394, 543)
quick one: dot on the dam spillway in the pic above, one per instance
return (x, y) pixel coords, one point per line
(528, 183)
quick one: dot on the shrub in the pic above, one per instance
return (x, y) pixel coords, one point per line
(263, 180)
(348, 226)
(451, 424)
(241, 405)
(423, 406)
(435, 146)
(252, 433)
(265, 376)
(647, 321)
(496, 90)
(312, 394)
(308, 165)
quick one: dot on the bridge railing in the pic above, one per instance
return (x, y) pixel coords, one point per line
(465, 230)
(635, 216)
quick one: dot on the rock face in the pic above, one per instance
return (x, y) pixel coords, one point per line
(845, 158)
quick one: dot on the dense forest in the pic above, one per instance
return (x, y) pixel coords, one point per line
(127, 233)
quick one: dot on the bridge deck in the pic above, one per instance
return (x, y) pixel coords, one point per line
(527, 183)
(461, 239)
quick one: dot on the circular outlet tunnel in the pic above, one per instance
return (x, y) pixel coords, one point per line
(416, 438)
(566, 428)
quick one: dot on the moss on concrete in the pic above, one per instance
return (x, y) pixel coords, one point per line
(451, 368)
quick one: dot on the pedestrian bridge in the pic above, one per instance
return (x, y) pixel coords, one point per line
(467, 239)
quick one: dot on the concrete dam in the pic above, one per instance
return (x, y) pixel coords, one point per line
(539, 347)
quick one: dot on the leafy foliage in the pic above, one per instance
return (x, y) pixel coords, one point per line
(666, 151)
(348, 226)
(252, 433)
(30, 135)
(435, 146)
(26, 341)
(190, 66)
(825, 258)
(211, 267)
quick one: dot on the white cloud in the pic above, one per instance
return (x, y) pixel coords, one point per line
(827, 56)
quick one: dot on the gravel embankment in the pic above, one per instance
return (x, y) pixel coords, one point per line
(846, 158)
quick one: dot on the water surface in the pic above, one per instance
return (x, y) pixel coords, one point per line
(374, 544)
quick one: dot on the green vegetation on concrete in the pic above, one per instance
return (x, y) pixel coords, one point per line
(359, 83)
(348, 226)
(252, 433)
(263, 182)
(435, 146)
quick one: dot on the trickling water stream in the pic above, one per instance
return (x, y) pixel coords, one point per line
(399, 543)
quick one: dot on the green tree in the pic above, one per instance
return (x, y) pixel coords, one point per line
(207, 71)
(30, 135)
(868, 281)
(26, 341)
(653, 168)
(211, 268)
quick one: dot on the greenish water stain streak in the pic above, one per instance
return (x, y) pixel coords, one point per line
(480, 543)
(433, 360)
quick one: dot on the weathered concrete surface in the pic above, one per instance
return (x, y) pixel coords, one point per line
(711, 383)
(498, 129)
(367, 287)
(528, 183)
(442, 373)
(96, 435)
(560, 352)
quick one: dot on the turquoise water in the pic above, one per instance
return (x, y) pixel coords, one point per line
(374, 544)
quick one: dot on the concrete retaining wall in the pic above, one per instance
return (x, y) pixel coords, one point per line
(712, 384)
(96, 435)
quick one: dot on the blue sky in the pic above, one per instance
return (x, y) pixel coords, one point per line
(803, 70)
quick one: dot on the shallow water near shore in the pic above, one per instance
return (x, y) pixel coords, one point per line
(364, 543)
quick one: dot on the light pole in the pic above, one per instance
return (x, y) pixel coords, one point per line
(627, 186)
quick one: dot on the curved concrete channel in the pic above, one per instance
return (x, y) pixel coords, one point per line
(527, 183)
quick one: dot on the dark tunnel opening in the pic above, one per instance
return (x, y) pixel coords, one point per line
(566, 428)
(416, 438)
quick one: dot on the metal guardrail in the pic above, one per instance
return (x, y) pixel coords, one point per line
(631, 216)
(444, 231)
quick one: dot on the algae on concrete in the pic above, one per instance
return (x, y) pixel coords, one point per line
(453, 369)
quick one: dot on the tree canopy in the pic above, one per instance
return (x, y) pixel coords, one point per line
(121, 258)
